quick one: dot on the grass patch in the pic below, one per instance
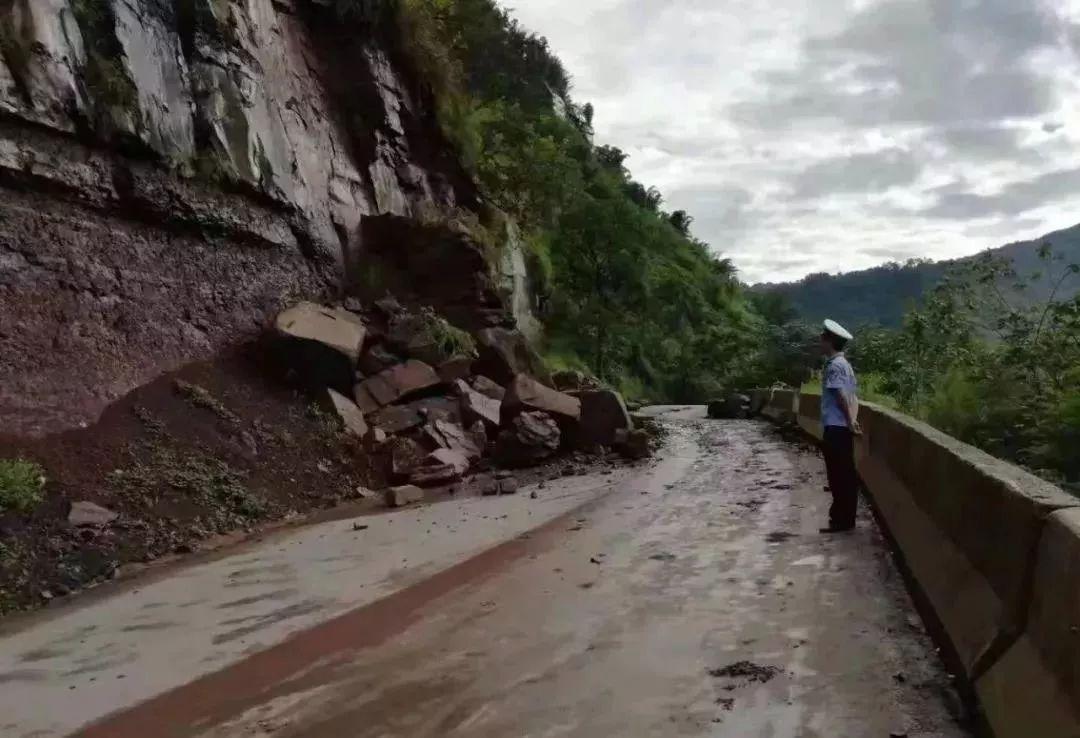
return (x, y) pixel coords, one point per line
(328, 423)
(427, 336)
(538, 261)
(491, 236)
(201, 397)
(202, 478)
(22, 485)
(450, 340)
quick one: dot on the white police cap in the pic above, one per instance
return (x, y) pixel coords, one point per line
(831, 326)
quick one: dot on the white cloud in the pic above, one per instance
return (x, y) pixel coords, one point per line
(830, 136)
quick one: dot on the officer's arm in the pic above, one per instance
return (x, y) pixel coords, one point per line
(849, 410)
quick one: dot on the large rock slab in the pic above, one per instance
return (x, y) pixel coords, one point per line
(603, 414)
(529, 439)
(399, 382)
(733, 407)
(377, 359)
(568, 380)
(442, 466)
(453, 437)
(322, 344)
(527, 394)
(488, 387)
(400, 418)
(505, 353)
(405, 495)
(90, 515)
(40, 69)
(336, 329)
(633, 444)
(346, 411)
(397, 419)
(457, 368)
(155, 63)
(476, 407)
(406, 456)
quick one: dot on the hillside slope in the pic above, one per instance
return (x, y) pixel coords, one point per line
(883, 294)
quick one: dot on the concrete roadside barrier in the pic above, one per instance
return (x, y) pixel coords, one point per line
(1034, 688)
(996, 553)
(780, 405)
(809, 409)
(967, 523)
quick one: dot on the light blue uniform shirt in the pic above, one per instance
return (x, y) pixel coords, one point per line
(838, 377)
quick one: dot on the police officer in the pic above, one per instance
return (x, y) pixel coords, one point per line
(840, 418)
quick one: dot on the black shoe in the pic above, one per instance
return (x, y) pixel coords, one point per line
(836, 529)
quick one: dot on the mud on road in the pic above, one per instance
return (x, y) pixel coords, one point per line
(695, 600)
(691, 597)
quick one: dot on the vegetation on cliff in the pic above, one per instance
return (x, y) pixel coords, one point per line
(628, 292)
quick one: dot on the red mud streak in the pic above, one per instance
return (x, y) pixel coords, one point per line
(213, 699)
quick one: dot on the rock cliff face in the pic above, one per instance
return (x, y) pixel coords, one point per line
(173, 172)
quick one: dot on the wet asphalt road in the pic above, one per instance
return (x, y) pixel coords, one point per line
(695, 600)
(698, 601)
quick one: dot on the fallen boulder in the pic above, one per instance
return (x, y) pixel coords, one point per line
(508, 486)
(374, 439)
(567, 380)
(389, 306)
(401, 418)
(377, 359)
(476, 407)
(478, 434)
(364, 400)
(398, 383)
(450, 457)
(346, 411)
(451, 436)
(334, 328)
(452, 370)
(526, 394)
(397, 419)
(323, 344)
(438, 408)
(733, 407)
(633, 444)
(427, 336)
(405, 495)
(483, 484)
(528, 439)
(504, 353)
(90, 515)
(442, 466)
(487, 387)
(603, 412)
(406, 456)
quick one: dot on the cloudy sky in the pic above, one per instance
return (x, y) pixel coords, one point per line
(831, 135)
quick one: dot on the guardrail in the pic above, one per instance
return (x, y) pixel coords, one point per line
(994, 550)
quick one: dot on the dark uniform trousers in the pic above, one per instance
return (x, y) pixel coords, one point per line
(838, 446)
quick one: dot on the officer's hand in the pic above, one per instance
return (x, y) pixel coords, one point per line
(856, 428)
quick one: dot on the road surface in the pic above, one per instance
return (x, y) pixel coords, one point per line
(694, 598)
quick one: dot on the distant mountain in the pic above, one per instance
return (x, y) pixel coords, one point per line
(883, 294)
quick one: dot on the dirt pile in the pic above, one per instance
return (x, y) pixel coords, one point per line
(428, 415)
(276, 431)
